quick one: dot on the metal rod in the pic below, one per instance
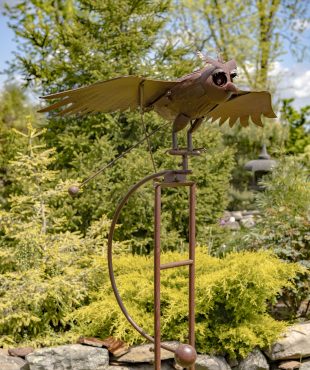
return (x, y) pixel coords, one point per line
(98, 172)
(176, 264)
(192, 244)
(119, 208)
(157, 214)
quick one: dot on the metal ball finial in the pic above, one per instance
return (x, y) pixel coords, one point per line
(73, 190)
(185, 355)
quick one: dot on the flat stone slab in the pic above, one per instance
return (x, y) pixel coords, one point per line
(294, 344)
(115, 346)
(20, 352)
(12, 363)
(290, 365)
(69, 357)
(205, 362)
(145, 353)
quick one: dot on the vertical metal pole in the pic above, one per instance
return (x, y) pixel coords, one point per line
(157, 276)
(192, 244)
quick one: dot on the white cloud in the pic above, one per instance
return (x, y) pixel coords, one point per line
(292, 82)
(301, 85)
(277, 69)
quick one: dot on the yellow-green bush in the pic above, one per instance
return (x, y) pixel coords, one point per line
(231, 301)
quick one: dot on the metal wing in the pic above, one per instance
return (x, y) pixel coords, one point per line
(243, 106)
(108, 96)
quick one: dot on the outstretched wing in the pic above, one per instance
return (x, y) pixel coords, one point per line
(108, 96)
(243, 106)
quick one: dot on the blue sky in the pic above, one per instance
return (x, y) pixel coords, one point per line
(295, 81)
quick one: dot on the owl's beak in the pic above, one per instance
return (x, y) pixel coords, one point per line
(230, 87)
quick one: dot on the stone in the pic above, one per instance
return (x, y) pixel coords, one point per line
(251, 213)
(115, 346)
(305, 365)
(164, 366)
(69, 357)
(237, 215)
(294, 344)
(254, 361)
(226, 215)
(12, 363)
(290, 365)
(232, 362)
(232, 225)
(20, 352)
(247, 222)
(145, 353)
(205, 362)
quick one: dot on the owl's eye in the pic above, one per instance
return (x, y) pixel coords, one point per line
(233, 75)
(219, 78)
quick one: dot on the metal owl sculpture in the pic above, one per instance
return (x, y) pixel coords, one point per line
(208, 93)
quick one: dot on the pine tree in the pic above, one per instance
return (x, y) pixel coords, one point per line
(45, 270)
(79, 42)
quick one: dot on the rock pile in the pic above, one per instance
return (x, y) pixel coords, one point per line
(234, 220)
(290, 352)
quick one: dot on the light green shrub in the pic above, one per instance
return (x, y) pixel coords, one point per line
(231, 304)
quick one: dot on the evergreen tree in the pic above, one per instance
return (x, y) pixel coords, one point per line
(15, 110)
(46, 271)
(70, 43)
(298, 125)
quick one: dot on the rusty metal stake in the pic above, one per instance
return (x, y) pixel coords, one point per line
(157, 275)
(190, 262)
(184, 354)
(192, 245)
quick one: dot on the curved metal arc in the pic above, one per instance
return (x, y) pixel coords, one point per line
(118, 210)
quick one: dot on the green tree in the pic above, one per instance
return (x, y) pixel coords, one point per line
(252, 32)
(298, 123)
(44, 272)
(15, 110)
(71, 43)
(283, 228)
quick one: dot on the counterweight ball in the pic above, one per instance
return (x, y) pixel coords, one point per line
(185, 355)
(73, 190)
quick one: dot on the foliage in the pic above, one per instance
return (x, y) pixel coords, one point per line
(298, 123)
(252, 32)
(286, 224)
(54, 281)
(247, 143)
(42, 265)
(283, 227)
(15, 111)
(85, 43)
(231, 301)
(85, 144)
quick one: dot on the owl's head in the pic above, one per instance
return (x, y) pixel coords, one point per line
(218, 77)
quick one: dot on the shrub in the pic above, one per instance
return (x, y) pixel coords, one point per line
(231, 304)
(283, 228)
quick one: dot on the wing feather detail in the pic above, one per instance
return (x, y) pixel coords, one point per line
(120, 93)
(243, 106)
